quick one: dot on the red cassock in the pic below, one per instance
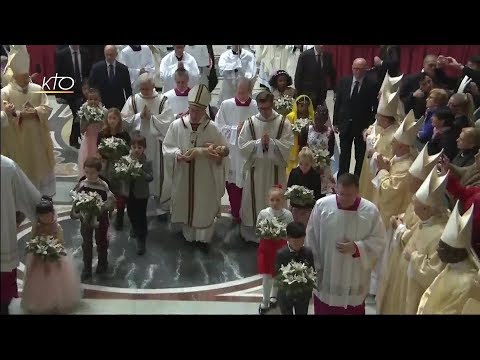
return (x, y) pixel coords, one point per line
(468, 196)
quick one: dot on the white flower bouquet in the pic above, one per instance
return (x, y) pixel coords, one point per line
(45, 247)
(321, 158)
(92, 114)
(284, 104)
(300, 195)
(87, 206)
(113, 148)
(299, 125)
(271, 229)
(127, 168)
(296, 278)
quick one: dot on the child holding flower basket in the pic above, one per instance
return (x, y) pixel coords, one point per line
(304, 187)
(295, 269)
(92, 199)
(51, 283)
(271, 228)
(136, 173)
(113, 143)
(91, 114)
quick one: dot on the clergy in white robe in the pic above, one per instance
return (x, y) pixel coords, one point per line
(18, 194)
(264, 141)
(178, 59)
(234, 64)
(149, 112)
(231, 116)
(139, 60)
(202, 57)
(198, 174)
(158, 53)
(347, 236)
(178, 97)
(25, 134)
(260, 54)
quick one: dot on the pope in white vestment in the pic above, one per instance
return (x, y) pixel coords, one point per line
(234, 64)
(178, 97)
(264, 141)
(175, 60)
(232, 114)
(18, 194)
(150, 113)
(25, 130)
(137, 58)
(343, 277)
(198, 176)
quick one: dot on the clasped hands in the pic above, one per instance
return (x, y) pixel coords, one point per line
(383, 163)
(265, 142)
(145, 114)
(209, 149)
(346, 247)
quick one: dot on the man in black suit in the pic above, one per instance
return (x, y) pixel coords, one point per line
(74, 62)
(313, 67)
(112, 79)
(354, 111)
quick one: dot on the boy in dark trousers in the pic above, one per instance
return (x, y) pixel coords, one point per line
(297, 252)
(139, 193)
(92, 182)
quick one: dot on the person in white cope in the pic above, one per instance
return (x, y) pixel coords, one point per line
(234, 64)
(178, 59)
(25, 134)
(158, 53)
(139, 60)
(178, 97)
(264, 141)
(149, 112)
(202, 57)
(198, 148)
(18, 194)
(230, 119)
(347, 237)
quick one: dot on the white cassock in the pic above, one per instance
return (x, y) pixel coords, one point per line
(292, 61)
(202, 57)
(178, 101)
(228, 117)
(18, 194)
(154, 130)
(260, 53)
(342, 279)
(136, 60)
(232, 67)
(262, 170)
(158, 52)
(276, 58)
(169, 65)
(199, 184)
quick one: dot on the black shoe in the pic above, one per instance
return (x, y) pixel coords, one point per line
(273, 302)
(75, 144)
(86, 274)
(141, 246)
(163, 217)
(204, 247)
(261, 310)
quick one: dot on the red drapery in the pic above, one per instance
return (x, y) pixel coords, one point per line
(411, 60)
(343, 56)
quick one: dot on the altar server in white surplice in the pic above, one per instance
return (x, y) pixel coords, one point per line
(150, 113)
(234, 64)
(347, 237)
(265, 141)
(178, 97)
(231, 116)
(178, 59)
(202, 57)
(158, 53)
(193, 142)
(139, 60)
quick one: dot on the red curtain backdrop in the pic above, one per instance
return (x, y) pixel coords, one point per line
(343, 56)
(411, 55)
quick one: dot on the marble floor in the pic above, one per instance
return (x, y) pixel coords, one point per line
(174, 277)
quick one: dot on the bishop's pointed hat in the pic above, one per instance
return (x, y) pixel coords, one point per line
(408, 129)
(199, 96)
(424, 163)
(432, 191)
(18, 60)
(458, 231)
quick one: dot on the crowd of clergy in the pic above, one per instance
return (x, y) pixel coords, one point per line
(419, 145)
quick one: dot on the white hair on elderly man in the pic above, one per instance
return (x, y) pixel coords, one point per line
(146, 78)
